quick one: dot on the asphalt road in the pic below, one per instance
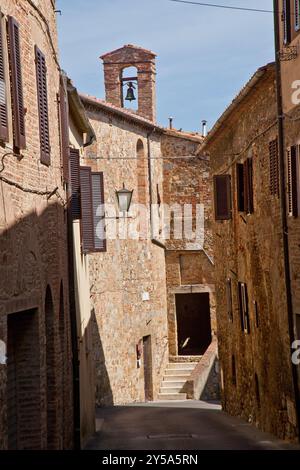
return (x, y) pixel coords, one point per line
(189, 425)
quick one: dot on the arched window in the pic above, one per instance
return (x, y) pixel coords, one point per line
(129, 88)
(51, 372)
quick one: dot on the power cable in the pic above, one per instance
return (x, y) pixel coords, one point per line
(227, 7)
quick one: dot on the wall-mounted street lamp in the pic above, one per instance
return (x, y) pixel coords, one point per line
(124, 197)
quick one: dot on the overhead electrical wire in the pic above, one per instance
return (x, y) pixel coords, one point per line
(227, 7)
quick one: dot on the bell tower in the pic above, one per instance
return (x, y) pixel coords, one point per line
(118, 87)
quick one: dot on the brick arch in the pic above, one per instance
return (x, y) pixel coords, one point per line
(141, 172)
(51, 388)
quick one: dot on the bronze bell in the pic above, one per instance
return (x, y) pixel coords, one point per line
(130, 93)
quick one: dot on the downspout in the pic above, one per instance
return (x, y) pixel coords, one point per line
(153, 240)
(284, 217)
(74, 333)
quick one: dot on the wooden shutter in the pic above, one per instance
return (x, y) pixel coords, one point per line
(87, 224)
(286, 21)
(75, 183)
(16, 83)
(222, 197)
(229, 299)
(293, 181)
(3, 96)
(64, 128)
(248, 186)
(274, 168)
(98, 212)
(42, 97)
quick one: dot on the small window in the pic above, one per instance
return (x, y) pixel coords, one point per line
(240, 187)
(244, 307)
(229, 299)
(3, 89)
(42, 99)
(222, 197)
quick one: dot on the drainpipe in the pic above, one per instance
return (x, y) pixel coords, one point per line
(74, 333)
(284, 216)
(153, 240)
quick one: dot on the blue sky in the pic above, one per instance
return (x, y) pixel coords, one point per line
(205, 55)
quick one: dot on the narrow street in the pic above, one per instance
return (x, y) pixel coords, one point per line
(189, 425)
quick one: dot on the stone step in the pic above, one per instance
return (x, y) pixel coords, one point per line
(170, 389)
(178, 373)
(172, 383)
(182, 365)
(172, 396)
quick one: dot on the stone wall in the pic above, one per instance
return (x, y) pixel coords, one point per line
(33, 264)
(189, 262)
(128, 287)
(256, 367)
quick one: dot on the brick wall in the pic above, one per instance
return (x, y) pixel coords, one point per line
(249, 249)
(33, 241)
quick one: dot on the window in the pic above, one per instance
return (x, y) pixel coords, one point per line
(286, 21)
(42, 98)
(293, 191)
(92, 211)
(3, 96)
(244, 307)
(297, 15)
(64, 127)
(257, 391)
(229, 299)
(274, 168)
(16, 84)
(245, 186)
(222, 197)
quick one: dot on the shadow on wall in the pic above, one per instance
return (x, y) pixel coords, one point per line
(33, 269)
(104, 395)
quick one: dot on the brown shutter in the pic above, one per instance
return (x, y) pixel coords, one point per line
(3, 96)
(64, 128)
(16, 83)
(286, 21)
(229, 299)
(222, 197)
(248, 186)
(274, 168)
(42, 97)
(87, 224)
(293, 181)
(98, 212)
(240, 187)
(75, 183)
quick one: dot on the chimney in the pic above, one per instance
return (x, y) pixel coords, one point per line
(204, 128)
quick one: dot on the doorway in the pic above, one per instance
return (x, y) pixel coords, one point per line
(193, 324)
(23, 381)
(147, 354)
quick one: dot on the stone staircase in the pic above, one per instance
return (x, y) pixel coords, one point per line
(174, 380)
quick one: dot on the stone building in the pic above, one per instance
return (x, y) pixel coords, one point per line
(289, 40)
(253, 321)
(189, 260)
(36, 379)
(127, 272)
